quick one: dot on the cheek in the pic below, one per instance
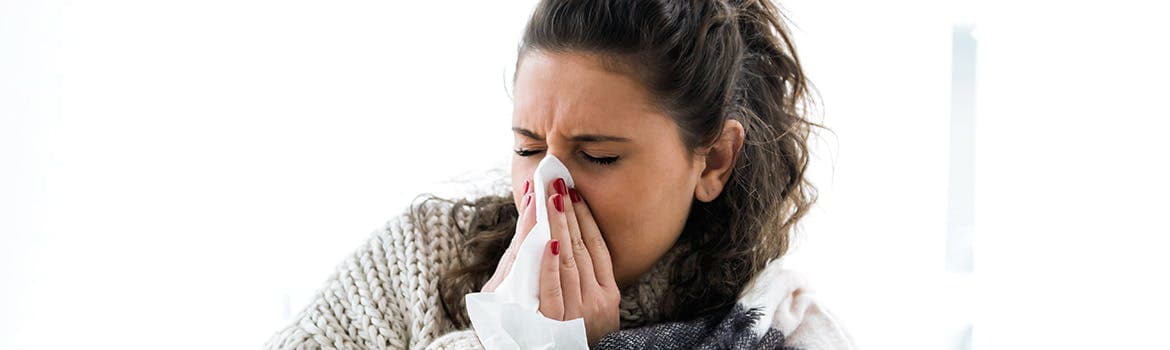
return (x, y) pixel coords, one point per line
(521, 172)
(640, 222)
(641, 215)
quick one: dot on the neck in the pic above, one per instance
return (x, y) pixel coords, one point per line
(642, 301)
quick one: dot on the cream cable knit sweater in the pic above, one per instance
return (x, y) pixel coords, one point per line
(385, 295)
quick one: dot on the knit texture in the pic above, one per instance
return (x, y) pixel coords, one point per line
(367, 302)
(385, 294)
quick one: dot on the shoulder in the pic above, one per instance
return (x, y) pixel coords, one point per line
(776, 309)
(385, 293)
(787, 307)
(428, 230)
(429, 217)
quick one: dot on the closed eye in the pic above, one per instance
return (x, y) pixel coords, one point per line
(526, 152)
(604, 161)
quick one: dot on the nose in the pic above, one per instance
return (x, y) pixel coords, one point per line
(564, 156)
(560, 153)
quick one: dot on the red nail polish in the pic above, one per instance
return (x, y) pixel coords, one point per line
(558, 202)
(559, 185)
(527, 200)
(527, 186)
(556, 247)
(573, 195)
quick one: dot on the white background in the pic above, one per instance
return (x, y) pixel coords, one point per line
(186, 174)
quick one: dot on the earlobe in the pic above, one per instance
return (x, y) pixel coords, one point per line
(720, 161)
(708, 189)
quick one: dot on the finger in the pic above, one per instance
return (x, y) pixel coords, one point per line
(570, 280)
(524, 223)
(526, 220)
(595, 243)
(551, 303)
(527, 214)
(580, 253)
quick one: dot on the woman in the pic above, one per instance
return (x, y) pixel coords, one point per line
(682, 124)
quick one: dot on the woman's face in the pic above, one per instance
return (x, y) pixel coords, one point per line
(627, 158)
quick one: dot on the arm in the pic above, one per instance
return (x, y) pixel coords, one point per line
(459, 340)
(385, 294)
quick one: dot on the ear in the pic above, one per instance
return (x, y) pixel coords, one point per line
(719, 161)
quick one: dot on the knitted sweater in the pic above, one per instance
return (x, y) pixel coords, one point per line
(385, 296)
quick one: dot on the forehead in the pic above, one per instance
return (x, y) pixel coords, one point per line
(560, 91)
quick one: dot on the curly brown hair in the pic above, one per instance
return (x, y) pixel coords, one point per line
(704, 61)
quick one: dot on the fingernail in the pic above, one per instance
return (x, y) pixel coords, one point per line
(556, 247)
(527, 200)
(576, 197)
(559, 185)
(558, 202)
(527, 186)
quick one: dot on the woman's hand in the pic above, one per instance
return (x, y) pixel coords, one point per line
(524, 224)
(576, 274)
(574, 282)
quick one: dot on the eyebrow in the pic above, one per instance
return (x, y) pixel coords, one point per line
(578, 138)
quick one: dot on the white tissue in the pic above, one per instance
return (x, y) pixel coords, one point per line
(509, 318)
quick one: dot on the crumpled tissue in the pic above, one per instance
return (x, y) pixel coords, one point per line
(509, 317)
